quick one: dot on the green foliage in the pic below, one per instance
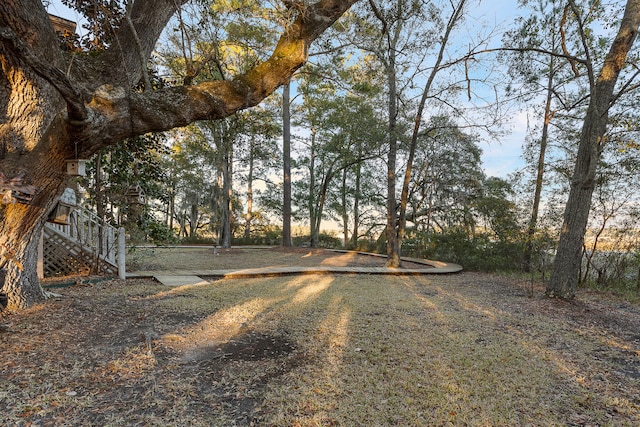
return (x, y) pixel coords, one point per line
(326, 240)
(448, 177)
(614, 266)
(616, 272)
(480, 232)
(159, 233)
(147, 229)
(218, 40)
(269, 235)
(364, 245)
(346, 135)
(138, 161)
(478, 252)
(198, 240)
(133, 163)
(498, 212)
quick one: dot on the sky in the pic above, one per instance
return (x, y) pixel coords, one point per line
(500, 158)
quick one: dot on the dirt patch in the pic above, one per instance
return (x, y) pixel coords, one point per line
(238, 372)
(249, 346)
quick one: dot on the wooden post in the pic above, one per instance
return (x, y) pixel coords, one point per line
(122, 273)
(41, 256)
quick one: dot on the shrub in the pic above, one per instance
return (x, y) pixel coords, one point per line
(325, 240)
(365, 245)
(264, 236)
(479, 252)
(160, 234)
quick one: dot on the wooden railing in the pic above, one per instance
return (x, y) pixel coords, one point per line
(88, 232)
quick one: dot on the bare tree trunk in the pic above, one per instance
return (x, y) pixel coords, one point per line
(533, 221)
(216, 203)
(322, 199)
(311, 198)
(286, 164)
(183, 225)
(171, 204)
(249, 215)
(566, 266)
(193, 216)
(390, 64)
(427, 224)
(393, 245)
(345, 216)
(404, 197)
(172, 209)
(100, 210)
(356, 206)
(227, 191)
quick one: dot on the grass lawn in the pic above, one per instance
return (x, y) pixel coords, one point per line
(347, 350)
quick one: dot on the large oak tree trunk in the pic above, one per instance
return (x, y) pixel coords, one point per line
(21, 286)
(566, 267)
(31, 152)
(21, 223)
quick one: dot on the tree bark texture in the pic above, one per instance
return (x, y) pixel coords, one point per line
(55, 105)
(566, 266)
(249, 214)
(319, 208)
(356, 204)
(227, 190)
(393, 243)
(345, 215)
(311, 197)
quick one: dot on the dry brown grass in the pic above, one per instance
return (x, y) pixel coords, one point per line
(465, 349)
(203, 258)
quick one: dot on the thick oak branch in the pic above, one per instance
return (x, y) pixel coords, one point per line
(117, 114)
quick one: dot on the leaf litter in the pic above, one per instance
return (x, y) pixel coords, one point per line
(463, 349)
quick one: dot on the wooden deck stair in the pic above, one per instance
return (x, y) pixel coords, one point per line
(86, 245)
